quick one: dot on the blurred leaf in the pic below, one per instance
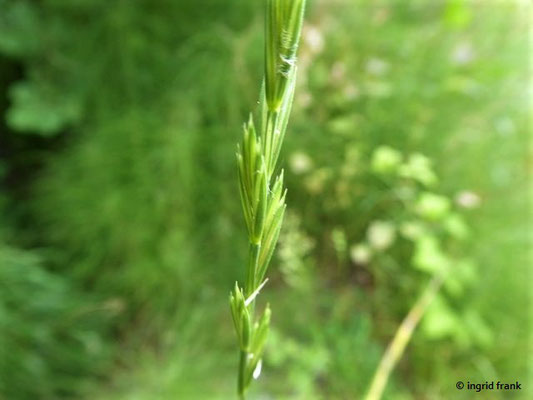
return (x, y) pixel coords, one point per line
(339, 241)
(386, 160)
(440, 321)
(40, 109)
(454, 286)
(456, 226)
(412, 230)
(418, 167)
(432, 206)
(343, 125)
(428, 255)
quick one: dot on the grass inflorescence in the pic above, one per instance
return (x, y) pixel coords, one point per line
(261, 189)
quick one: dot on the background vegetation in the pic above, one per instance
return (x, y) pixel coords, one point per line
(120, 226)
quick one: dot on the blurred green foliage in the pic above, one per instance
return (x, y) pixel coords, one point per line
(121, 231)
(52, 336)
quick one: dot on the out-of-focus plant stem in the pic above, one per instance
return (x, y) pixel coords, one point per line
(397, 347)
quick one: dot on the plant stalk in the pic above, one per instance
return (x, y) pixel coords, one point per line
(397, 347)
(242, 370)
(262, 195)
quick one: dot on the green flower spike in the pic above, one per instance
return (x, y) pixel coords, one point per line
(262, 193)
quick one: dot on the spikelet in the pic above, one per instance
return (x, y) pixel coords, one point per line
(262, 193)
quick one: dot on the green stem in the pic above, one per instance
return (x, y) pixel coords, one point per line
(253, 259)
(270, 142)
(242, 370)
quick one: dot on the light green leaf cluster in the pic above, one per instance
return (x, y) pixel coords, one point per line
(262, 193)
(389, 161)
(385, 160)
(466, 328)
(433, 206)
(429, 256)
(418, 167)
(434, 229)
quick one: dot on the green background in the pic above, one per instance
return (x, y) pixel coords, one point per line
(121, 231)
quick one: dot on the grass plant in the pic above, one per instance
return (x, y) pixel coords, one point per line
(260, 185)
